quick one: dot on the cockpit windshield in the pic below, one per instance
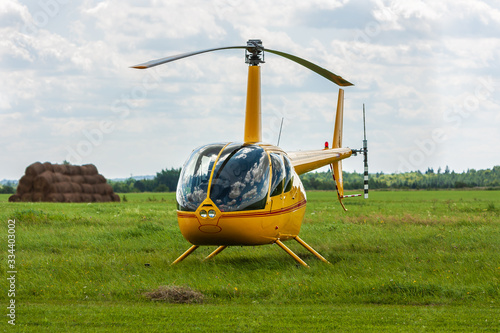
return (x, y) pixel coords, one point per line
(241, 178)
(193, 182)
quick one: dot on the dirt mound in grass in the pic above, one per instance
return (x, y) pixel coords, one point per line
(175, 294)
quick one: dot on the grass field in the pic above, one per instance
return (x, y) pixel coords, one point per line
(416, 261)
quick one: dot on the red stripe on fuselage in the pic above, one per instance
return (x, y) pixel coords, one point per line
(285, 210)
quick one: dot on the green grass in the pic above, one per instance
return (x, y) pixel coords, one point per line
(401, 261)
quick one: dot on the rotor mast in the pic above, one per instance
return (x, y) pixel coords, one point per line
(254, 55)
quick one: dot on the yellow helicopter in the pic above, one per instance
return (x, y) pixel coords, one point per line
(250, 193)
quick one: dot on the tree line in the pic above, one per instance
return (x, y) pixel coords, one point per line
(431, 179)
(166, 181)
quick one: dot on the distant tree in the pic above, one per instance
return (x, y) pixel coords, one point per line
(7, 189)
(125, 186)
(164, 181)
(169, 178)
(140, 186)
(161, 188)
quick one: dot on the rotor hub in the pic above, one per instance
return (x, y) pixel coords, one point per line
(254, 53)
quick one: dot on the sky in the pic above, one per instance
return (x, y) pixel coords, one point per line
(426, 71)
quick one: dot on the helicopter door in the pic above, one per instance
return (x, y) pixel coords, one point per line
(278, 182)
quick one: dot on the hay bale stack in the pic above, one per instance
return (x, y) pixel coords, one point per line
(63, 183)
(89, 170)
(87, 197)
(48, 166)
(37, 196)
(72, 197)
(43, 181)
(27, 196)
(60, 168)
(87, 188)
(15, 198)
(55, 197)
(103, 189)
(73, 170)
(77, 179)
(25, 184)
(34, 169)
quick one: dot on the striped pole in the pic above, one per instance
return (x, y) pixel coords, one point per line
(365, 152)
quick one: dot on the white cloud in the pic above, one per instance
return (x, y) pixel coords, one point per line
(64, 70)
(12, 13)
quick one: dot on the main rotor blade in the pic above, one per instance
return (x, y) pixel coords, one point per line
(315, 68)
(157, 62)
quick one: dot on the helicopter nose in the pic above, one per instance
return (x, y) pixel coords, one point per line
(208, 217)
(210, 228)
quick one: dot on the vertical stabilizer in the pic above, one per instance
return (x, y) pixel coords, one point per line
(339, 119)
(337, 143)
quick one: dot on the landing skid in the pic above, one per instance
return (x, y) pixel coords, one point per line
(280, 244)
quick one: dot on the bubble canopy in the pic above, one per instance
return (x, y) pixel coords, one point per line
(234, 176)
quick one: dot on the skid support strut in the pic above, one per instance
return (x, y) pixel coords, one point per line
(185, 254)
(294, 256)
(306, 246)
(310, 249)
(216, 252)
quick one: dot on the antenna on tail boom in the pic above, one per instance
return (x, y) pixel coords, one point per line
(281, 127)
(364, 151)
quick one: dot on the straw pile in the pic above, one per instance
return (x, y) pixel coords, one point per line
(63, 183)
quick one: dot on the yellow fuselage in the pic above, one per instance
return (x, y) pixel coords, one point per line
(280, 219)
